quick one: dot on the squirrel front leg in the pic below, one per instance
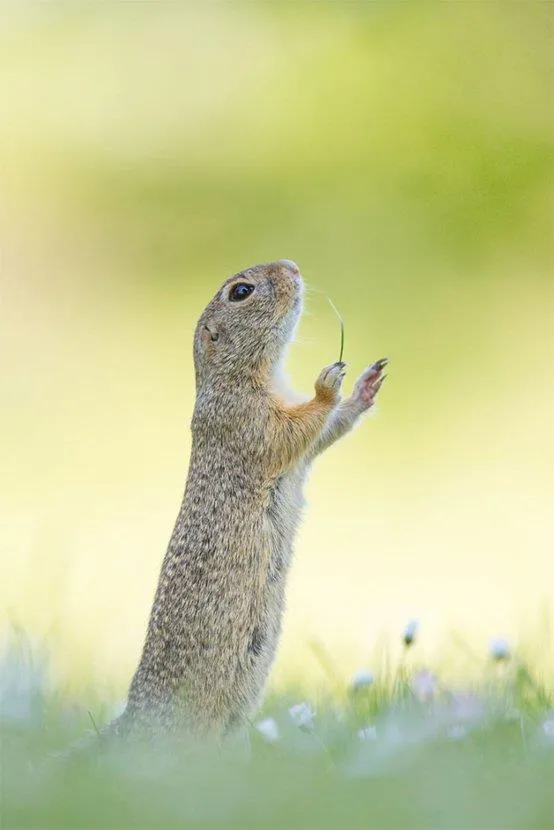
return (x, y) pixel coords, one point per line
(295, 429)
(348, 412)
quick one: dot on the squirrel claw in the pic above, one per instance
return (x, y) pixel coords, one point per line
(369, 383)
(329, 381)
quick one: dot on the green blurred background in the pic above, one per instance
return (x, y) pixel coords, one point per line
(402, 154)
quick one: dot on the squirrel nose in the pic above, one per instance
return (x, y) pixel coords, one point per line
(290, 265)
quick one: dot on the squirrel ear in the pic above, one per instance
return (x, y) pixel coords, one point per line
(209, 334)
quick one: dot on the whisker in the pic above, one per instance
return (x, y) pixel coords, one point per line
(311, 289)
(305, 341)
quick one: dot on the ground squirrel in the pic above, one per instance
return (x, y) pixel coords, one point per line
(217, 613)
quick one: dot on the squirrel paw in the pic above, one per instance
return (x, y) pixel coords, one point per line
(369, 384)
(329, 382)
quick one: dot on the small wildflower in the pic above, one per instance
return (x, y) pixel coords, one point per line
(410, 631)
(363, 679)
(367, 733)
(302, 715)
(467, 707)
(269, 730)
(500, 649)
(424, 686)
(456, 732)
(548, 729)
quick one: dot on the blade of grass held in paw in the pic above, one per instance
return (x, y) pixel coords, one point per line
(341, 321)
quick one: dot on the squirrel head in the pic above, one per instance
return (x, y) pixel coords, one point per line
(243, 331)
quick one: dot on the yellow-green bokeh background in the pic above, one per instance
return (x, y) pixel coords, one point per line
(402, 154)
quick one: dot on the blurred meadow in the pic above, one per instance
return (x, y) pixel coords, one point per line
(402, 154)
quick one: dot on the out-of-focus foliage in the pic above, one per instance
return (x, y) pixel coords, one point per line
(401, 750)
(402, 154)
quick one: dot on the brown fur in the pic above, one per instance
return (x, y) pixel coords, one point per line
(216, 618)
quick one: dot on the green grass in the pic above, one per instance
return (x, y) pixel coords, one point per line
(433, 757)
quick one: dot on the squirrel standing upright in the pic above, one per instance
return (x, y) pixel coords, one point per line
(216, 618)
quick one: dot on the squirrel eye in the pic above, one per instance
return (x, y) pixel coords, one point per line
(240, 291)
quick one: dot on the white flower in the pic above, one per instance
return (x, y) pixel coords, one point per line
(424, 686)
(269, 730)
(367, 733)
(500, 648)
(302, 715)
(363, 679)
(548, 729)
(457, 732)
(467, 707)
(410, 631)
